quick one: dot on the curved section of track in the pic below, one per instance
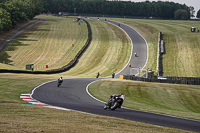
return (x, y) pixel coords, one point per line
(72, 94)
(139, 46)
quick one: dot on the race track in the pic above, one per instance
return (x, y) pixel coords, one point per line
(139, 46)
(72, 94)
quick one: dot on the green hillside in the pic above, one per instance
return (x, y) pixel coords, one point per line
(108, 52)
(182, 57)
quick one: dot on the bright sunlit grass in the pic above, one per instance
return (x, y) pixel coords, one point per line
(108, 52)
(47, 43)
(182, 57)
(170, 99)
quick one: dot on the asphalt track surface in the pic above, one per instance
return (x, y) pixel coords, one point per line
(73, 95)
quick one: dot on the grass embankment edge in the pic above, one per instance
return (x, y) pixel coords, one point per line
(168, 99)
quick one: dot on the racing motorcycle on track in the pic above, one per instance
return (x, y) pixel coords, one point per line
(114, 102)
(60, 80)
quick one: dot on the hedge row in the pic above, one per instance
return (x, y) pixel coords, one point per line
(64, 68)
(159, 54)
(172, 80)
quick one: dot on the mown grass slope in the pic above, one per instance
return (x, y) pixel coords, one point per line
(16, 116)
(47, 43)
(182, 57)
(108, 52)
(114, 44)
(27, 118)
(170, 99)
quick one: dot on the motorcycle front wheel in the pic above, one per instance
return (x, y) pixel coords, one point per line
(114, 106)
(58, 84)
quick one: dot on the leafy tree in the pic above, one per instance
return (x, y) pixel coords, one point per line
(5, 21)
(16, 10)
(192, 11)
(198, 14)
(13, 12)
(37, 4)
(160, 9)
(181, 14)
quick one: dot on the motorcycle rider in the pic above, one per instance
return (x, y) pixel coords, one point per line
(60, 80)
(112, 96)
(135, 54)
(97, 75)
(113, 75)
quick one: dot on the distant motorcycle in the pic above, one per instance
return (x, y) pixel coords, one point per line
(97, 75)
(114, 102)
(58, 84)
(135, 54)
(60, 80)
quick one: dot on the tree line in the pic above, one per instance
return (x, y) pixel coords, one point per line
(198, 14)
(13, 12)
(165, 10)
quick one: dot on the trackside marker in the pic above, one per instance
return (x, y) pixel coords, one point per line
(27, 98)
(121, 77)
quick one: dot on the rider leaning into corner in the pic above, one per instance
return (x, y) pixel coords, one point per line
(112, 96)
(60, 80)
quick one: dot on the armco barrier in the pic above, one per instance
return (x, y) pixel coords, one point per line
(64, 68)
(161, 50)
(171, 80)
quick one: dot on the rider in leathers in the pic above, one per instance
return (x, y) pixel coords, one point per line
(110, 100)
(60, 80)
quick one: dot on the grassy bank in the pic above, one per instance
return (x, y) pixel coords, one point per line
(27, 118)
(47, 43)
(13, 85)
(109, 52)
(170, 99)
(16, 116)
(50, 43)
(182, 57)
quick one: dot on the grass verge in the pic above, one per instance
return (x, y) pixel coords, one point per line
(182, 48)
(108, 52)
(170, 99)
(47, 43)
(31, 118)
(26, 118)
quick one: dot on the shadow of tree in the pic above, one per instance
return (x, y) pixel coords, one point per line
(21, 40)
(4, 58)
(13, 45)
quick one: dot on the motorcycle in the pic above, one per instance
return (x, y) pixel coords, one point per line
(135, 54)
(114, 102)
(97, 75)
(59, 83)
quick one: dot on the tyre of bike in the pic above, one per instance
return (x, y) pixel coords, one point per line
(114, 105)
(58, 84)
